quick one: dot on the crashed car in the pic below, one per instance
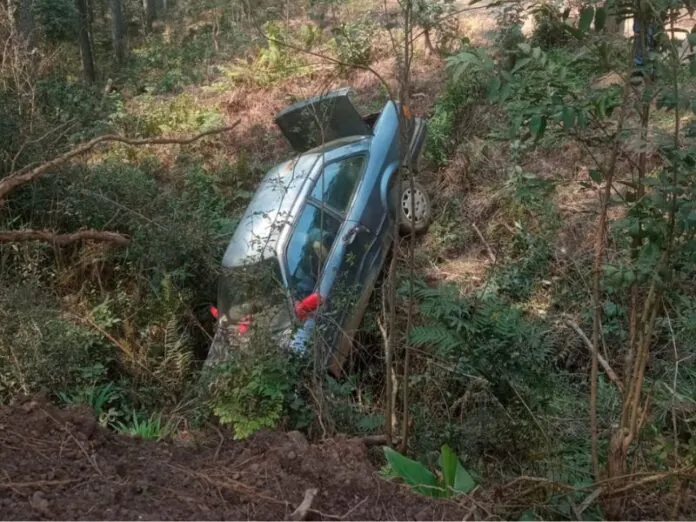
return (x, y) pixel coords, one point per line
(312, 243)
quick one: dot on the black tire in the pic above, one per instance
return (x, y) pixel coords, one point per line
(401, 206)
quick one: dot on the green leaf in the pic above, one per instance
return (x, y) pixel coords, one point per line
(537, 126)
(505, 91)
(596, 175)
(494, 88)
(586, 16)
(568, 115)
(524, 47)
(413, 473)
(519, 64)
(448, 464)
(527, 516)
(456, 477)
(600, 18)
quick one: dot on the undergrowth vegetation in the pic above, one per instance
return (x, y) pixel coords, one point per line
(568, 356)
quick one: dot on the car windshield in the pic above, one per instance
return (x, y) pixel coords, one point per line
(247, 289)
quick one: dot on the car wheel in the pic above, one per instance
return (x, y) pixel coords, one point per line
(414, 208)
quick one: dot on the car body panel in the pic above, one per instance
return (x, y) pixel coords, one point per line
(321, 119)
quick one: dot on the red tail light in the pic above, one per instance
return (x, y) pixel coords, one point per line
(308, 305)
(214, 312)
(244, 325)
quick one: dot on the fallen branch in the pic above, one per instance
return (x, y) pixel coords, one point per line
(33, 172)
(491, 254)
(19, 236)
(304, 508)
(602, 361)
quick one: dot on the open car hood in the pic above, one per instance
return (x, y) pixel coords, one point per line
(321, 119)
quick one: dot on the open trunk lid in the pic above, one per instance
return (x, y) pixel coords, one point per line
(321, 119)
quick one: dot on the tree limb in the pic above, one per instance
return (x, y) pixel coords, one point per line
(602, 361)
(19, 236)
(32, 173)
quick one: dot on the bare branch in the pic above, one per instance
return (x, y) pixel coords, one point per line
(593, 351)
(32, 173)
(46, 236)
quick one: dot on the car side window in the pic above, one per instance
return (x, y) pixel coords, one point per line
(337, 183)
(308, 249)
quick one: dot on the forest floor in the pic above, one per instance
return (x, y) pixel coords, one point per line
(61, 464)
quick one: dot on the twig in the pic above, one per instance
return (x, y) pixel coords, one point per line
(32, 173)
(21, 236)
(37, 483)
(491, 255)
(602, 361)
(356, 506)
(303, 509)
(89, 457)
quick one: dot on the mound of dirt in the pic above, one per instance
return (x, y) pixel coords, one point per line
(60, 464)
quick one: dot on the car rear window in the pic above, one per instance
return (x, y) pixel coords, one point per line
(337, 183)
(308, 249)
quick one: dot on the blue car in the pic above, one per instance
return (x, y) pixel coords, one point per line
(306, 255)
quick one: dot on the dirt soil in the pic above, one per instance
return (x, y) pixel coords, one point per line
(60, 464)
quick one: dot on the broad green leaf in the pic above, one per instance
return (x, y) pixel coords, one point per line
(524, 47)
(537, 126)
(448, 464)
(568, 115)
(413, 473)
(505, 91)
(596, 175)
(463, 481)
(600, 18)
(494, 88)
(527, 516)
(456, 477)
(586, 16)
(536, 53)
(519, 64)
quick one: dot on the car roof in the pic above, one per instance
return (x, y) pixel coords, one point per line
(258, 231)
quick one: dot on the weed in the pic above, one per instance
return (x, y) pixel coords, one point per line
(144, 427)
(454, 479)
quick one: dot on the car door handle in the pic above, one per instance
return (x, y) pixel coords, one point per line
(353, 232)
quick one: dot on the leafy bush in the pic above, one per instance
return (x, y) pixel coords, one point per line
(40, 351)
(452, 110)
(550, 28)
(352, 42)
(254, 390)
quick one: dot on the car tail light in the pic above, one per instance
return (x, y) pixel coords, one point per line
(244, 325)
(308, 305)
(214, 312)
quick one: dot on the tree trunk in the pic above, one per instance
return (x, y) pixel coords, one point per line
(118, 31)
(83, 33)
(150, 8)
(27, 25)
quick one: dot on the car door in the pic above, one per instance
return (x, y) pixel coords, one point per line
(336, 190)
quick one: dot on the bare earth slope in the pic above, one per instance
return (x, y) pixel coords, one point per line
(59, 464)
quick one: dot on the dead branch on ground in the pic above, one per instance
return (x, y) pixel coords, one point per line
(303, 509)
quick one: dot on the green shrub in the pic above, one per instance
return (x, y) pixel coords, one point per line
(254, 390)
(41, 351)
(352, 42)
(550, 28)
